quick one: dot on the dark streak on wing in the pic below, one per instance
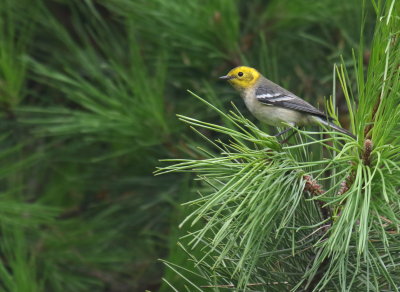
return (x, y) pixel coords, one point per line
(279, 94)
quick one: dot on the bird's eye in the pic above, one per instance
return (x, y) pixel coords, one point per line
(240, 74)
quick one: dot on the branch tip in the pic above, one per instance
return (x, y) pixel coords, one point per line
(312, 186)
(366, 157)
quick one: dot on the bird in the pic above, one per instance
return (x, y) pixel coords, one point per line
(274, 105)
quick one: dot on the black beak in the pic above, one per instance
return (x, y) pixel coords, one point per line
(226, 77)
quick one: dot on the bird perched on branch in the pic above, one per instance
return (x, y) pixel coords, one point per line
(274, 105)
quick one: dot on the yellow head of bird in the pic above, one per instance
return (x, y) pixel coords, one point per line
(242, 77)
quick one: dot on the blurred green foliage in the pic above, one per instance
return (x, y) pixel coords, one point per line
(89, 92)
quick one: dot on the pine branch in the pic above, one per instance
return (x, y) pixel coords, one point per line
(316, 189)
(248, 285)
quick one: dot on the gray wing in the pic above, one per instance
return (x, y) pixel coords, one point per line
(275, 95)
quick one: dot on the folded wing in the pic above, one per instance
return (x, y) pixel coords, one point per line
(277, 96)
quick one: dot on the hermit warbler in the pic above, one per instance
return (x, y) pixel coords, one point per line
(274, 105)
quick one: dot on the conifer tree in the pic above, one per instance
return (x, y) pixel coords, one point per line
(318, 214)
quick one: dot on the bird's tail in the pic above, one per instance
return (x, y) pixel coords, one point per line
(333, 126)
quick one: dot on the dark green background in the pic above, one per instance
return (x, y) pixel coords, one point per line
(89, 92)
